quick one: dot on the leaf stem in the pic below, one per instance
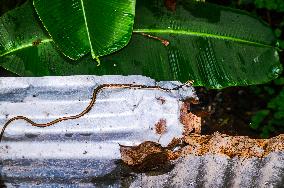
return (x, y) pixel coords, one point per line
(193, 33)
(164, 41)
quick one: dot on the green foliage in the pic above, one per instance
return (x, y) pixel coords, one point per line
(281, 44)
(78, 27)
(279, 81)
(277, 5)
(214, 46)
(258, 118)
(270, 119)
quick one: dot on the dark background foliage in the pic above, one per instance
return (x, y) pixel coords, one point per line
(256, 111)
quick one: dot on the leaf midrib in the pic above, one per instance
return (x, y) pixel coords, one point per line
(23, 46)
(161, 31)
(199, 34)
(88, 33)
(86, 25)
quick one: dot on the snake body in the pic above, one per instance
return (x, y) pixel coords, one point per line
(87, 109)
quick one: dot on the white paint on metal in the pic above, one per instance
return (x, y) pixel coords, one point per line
(119, 116)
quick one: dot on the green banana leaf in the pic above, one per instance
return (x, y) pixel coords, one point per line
(214, 46)
(81, 26)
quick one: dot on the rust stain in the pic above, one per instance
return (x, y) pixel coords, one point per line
(232, 146)
(151, 155)
(191, 122)
(147, 155)
(161, 127)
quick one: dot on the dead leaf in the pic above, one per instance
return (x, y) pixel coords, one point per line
(146, 156)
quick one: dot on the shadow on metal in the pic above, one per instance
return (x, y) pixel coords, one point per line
(123, 175)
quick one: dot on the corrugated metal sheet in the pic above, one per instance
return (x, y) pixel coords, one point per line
(85, 152)
(219, 171)
(88, 144)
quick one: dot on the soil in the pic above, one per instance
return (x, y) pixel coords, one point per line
(228, 111)
(232, 146)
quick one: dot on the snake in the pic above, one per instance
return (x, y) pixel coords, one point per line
(87, 109)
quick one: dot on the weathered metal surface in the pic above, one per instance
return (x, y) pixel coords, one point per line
(85, 152)
(219, 171)
(69, 149)
(189, 171)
